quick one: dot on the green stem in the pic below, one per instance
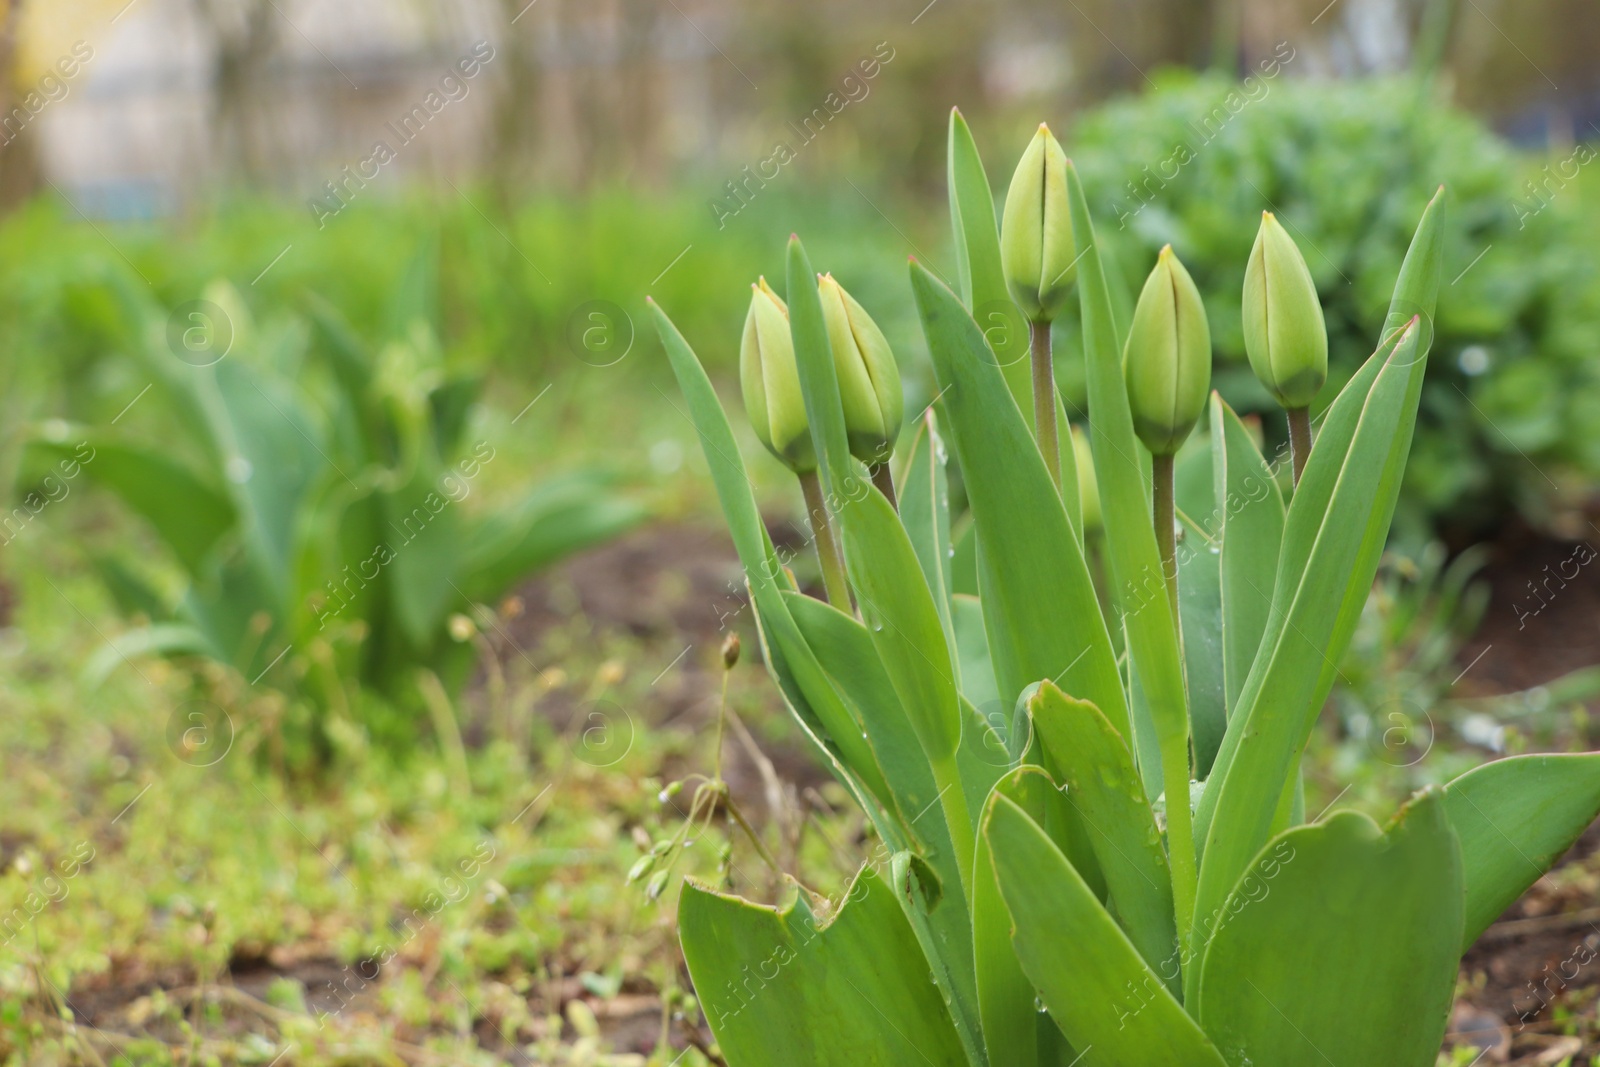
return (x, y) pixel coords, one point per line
(956, 817)
(1166, 526)
(1299, 439)
(1180, 839)
(883, 478)
(1044, 399)
(833, 579)
(1174, 746)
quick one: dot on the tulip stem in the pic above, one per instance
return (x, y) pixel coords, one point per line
(883, 478)
(833, 580)
(1299, 438)
(1044, 399)
(1166, 526)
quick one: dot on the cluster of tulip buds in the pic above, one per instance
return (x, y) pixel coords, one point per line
(1166, 360)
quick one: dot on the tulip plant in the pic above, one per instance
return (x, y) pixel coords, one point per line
(1119, 871)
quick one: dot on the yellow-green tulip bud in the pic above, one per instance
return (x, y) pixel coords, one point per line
(1037, 251)
(1088, 485)
(1167, 363)
(1284, 334)
(869, 380)
(770, 381)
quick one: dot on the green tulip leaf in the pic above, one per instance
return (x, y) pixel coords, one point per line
(188, 514)
(1104, 790)
(1013, 1032)
(1029, 561)
(1137, 577)
(790, 988)
(1249, 526)
(981, 276)
(1106, 1000)
(1275, 715)
(1515, 817)
(1340, 944)
(925, 513)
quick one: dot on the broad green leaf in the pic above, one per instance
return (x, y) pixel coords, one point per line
(1088, 974)
(885, 574)
(423, 529)
(1415, 295)
(964, 564)
(1200, 609)
(131, 591)
(188, 513)
(832, 724)
(1275, 716)
(450, 407)
(231, 605)
(1069, 472)
(1515, 817)
(1199, 600)
(351, 361)
(925, 513)
(844, 648)
(1105, 792)
(1011, 1031)
(272, 461)
(162, 639)
(981, 278)
(1137, 580)
(787, 988)
(1340, 944)
(553, 520)
(1248, 521)
(977, 671)
(1038, 600)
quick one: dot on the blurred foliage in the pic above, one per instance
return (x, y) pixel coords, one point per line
(549, 285)
(311, 490)
(1511, 411)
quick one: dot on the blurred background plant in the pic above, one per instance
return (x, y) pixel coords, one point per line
(313, 490)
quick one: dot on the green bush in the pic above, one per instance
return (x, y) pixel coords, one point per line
(310, 489)
(1511, 410)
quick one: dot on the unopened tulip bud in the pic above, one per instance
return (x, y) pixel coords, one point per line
(869, 380)
(1037, 250)
(770, 381)
(1284, 334)
(1167, 363)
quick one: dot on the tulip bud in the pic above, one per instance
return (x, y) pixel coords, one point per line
(869, 380)
(770, 381)
(1284, 334)
(1167, 363)
(1037, 250)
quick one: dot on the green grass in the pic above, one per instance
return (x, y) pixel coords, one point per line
(195, 903)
